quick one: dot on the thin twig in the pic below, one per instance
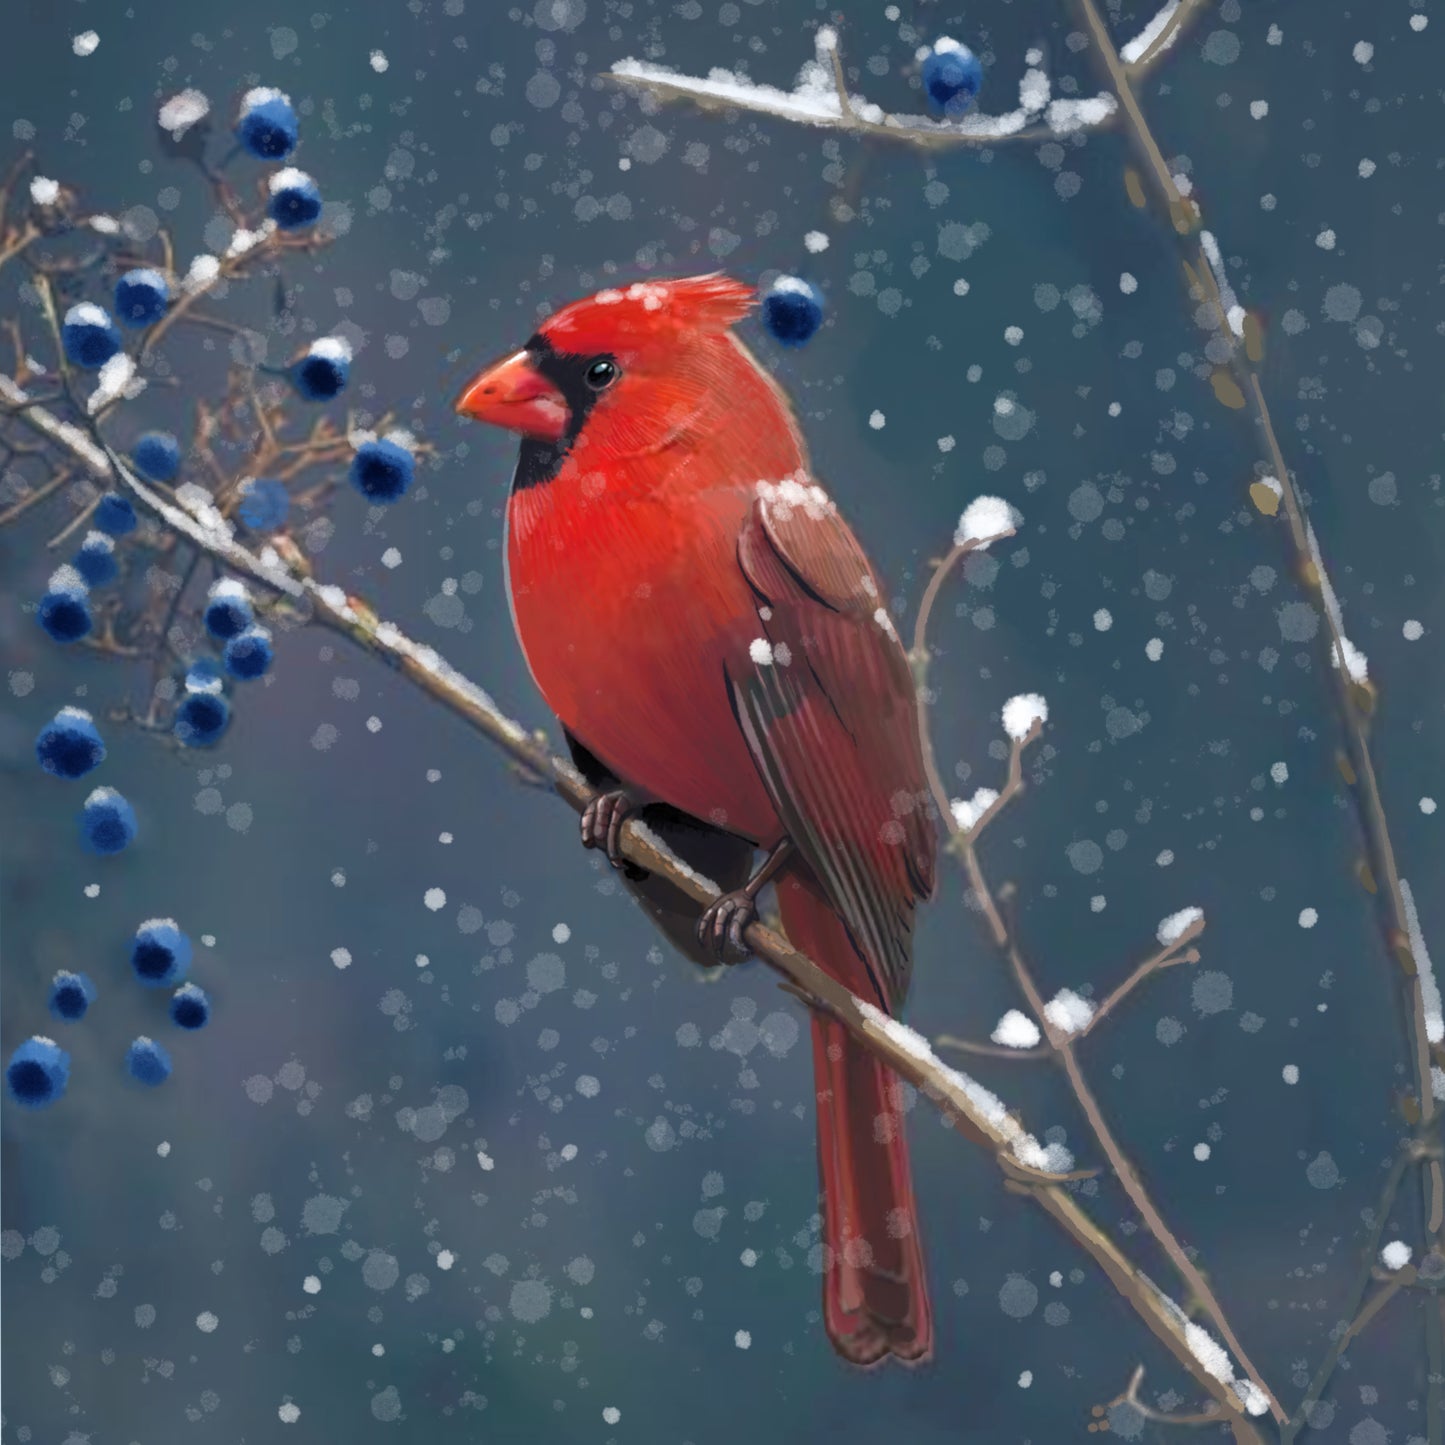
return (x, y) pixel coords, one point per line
(1060, 1042)
(1167, 957)
(1130, 1396)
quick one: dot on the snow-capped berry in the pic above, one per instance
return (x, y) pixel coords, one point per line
(71, 994)
(952, 76)
(65, 609)
(157, 455)
(96, 560)
(107, 823)
(265, 504)
(141, 297)
(295, 200)
(228, 609)
(114, 515)
(249, 654)
(267, 124)
(69, 745)
(190, 1008)
(323, 372)
(38, 1072)
(89, 336)
(161, 953)
(147, 1062)
(202, 717)
(792, 310)
(382, 470)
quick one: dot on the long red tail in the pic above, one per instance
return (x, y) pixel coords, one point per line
(875, 1292)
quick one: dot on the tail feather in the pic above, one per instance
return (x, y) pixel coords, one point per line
(875, 1291)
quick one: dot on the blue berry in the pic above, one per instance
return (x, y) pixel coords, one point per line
(107, 823)
(228, 610)
(71, 994)
(792, 310)
(65, 609)
(161, 953)
(157, 455)
(324, 371)
(952, 77)
(382, 470)
(114, 515)
(69, 745)
(96, 560)
(201, 718)
(190, 1008)
(147, 1062)
(89, 336)
(267, 126)
(249, 654)
(265, 505)
(38, 1072)
(295, 200)
(141, 297)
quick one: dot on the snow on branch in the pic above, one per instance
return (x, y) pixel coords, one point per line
(1159, 34)
(820, 97)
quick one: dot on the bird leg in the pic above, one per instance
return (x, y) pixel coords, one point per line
(721, 926)
(602, 822)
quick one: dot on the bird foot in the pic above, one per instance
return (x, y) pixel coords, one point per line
(602, 823)
(720, 929)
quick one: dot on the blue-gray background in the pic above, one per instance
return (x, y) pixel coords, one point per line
(307, 1134)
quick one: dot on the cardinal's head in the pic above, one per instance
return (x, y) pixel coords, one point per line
(623, 369)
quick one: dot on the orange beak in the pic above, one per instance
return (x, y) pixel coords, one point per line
(515, 395)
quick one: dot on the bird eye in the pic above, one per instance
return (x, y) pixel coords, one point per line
(602, 373)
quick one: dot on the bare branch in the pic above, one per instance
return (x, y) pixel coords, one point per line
(1167, 957)
(1130, 1396)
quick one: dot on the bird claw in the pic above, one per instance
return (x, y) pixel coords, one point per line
(602, 822)
(720, 929)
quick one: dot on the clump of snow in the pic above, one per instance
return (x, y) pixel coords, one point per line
(1067, 116)
(1173, 928)
(1020, 713)
(1429, 989)
(202, 273)
(967, 811)
(333, 348)
(44, 191)
(289, 179)
(182, 111)
(85, 43)
(1132, 51)
(1068, 1012)
(379, 62)
(116, 379)
(1016, 1030)
(815, 241)
(1396, 1254)
(985, 520)
(1233, 311)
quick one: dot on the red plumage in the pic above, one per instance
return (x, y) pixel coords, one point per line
(716, 643)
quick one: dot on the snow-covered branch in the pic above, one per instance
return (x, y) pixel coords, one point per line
(820, 97)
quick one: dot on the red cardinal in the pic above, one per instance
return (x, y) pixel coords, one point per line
(719, 651)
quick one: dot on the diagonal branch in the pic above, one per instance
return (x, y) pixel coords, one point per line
(966, 1105)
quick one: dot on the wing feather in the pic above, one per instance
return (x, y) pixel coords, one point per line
(826, 701)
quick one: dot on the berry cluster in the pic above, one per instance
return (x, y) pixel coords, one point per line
(160, 957)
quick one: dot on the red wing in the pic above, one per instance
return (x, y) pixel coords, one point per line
(827, 703)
